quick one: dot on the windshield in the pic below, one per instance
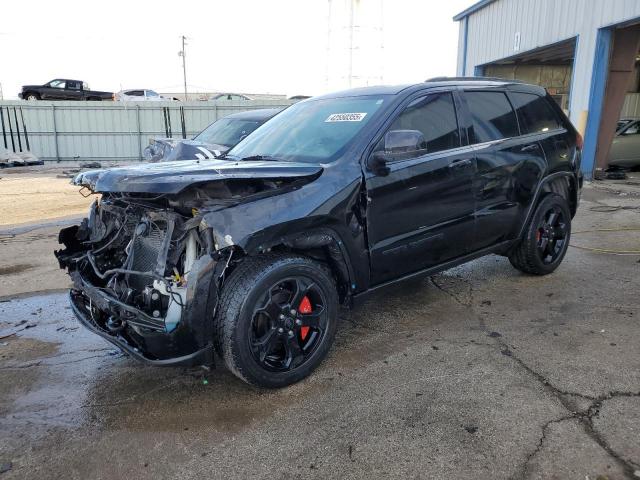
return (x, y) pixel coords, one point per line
(227, 131)
(317, 131)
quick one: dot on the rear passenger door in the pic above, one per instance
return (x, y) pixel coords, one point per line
(508, 166)
(73, 90)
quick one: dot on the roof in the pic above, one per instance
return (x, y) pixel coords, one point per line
(259, 114)
(472, 9)
(429, 83)
(473, 80)
(362, 91)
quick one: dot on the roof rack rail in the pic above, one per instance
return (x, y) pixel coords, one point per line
(472, 79)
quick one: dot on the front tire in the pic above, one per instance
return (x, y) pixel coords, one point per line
(546, 237)
(32, 97)
(276, 319)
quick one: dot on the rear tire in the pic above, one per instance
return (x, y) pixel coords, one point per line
(276, 319)
(546, 237)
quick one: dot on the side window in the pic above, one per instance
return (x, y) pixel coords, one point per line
(427, 125)
(534, 113)
(135, 93)
(57, 84)
(73, 85)
(491, 115)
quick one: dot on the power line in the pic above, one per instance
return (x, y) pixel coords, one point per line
(182, 53)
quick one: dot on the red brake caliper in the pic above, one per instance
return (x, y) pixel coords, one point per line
(304, 308)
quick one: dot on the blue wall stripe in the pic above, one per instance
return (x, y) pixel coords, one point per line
(464, 46)
(596, 99)
(573, 74)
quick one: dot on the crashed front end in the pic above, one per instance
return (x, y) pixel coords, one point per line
(146, 274)
(148, 262)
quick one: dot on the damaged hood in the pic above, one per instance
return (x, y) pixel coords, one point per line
(173, 177)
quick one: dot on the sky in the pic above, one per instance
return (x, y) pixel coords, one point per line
(251, 46)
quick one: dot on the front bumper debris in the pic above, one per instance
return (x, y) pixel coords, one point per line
(146, 338)
(203, 356)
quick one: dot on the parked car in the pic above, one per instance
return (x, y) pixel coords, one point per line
(229, 96)
(625, 148)
(63, 89)
(334, 199)
(140, 95)
(624, 122)
(216, 139)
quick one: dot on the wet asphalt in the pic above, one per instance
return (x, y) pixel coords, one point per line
(478, 372)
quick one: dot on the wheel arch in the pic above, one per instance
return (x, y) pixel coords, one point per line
(561, 183)
(565, 186)
(322, 244)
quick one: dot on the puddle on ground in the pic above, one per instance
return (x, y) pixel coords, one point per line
(83, 383)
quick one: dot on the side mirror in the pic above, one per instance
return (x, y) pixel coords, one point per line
(377, 163)
(403, 141)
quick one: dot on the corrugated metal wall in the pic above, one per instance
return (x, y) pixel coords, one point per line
(491, 34)
(117, 131)
(631, 107)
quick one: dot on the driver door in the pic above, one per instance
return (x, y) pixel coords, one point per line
(55, 90)
(421, 212)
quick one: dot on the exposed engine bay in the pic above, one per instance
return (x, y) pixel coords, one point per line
(146, 268)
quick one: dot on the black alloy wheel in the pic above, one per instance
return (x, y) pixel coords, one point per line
(546, 237)
(288, 324)
(276, 318)
(551, 234)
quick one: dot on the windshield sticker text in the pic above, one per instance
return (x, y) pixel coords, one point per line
(345, 117)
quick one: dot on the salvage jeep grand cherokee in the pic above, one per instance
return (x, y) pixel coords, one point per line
(250, 255)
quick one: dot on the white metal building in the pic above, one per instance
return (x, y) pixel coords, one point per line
(585, 52)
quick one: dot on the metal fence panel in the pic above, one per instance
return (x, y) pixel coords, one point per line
(113, 131)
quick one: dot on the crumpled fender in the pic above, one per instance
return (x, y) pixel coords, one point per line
(257, 226)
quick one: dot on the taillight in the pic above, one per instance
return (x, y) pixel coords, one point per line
(579, 141)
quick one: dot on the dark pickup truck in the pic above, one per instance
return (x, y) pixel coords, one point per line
(63, 89)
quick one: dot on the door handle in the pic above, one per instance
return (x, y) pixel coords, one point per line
(530, 148)
(460, 163)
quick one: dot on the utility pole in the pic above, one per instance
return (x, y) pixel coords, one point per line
(183, 54)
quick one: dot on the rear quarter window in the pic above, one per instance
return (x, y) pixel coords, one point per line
(534, 113)
(491, 115)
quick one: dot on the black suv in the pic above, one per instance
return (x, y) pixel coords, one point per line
(335, 198)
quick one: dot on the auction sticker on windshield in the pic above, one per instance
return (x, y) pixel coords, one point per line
(345, 117)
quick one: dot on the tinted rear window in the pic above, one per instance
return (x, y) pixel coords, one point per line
(492, 116)
(534, 113)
